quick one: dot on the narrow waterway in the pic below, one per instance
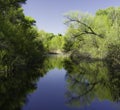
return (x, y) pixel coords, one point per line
(67, 86)
(59, 83)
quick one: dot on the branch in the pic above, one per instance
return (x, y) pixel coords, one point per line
(91, 31)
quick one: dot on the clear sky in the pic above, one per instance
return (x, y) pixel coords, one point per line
(49, 14)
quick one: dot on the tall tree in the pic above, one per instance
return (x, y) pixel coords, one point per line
(17, 35)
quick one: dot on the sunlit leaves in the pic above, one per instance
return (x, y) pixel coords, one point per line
(93, 34)
(52, 43)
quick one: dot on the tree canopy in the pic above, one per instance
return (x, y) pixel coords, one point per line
(18, 44)
(93, 34)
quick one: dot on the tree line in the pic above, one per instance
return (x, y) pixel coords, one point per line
(94, 36)
(87, 36)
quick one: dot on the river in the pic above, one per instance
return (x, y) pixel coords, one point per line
(62, 84)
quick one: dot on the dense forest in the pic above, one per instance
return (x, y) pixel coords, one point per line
(87, 36)
(95, 36)
(18, 37)
(90, 42)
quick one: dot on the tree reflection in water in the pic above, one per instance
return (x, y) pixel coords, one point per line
(15, 86)
(86, 81)
(90, 80)
(114, 81)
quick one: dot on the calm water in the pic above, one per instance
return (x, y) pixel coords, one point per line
(62, 85)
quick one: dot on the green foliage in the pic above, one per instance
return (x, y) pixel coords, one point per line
(93, 34)
(18, 45)
(52, 43)
(57, 43)
(21, 55)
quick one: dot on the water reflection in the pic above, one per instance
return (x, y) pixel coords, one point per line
(54, 61)
(85, 85)
(15, 86)
(88, 81)
(114, 81)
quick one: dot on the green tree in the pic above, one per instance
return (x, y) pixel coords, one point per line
(52, 43)
(93, 34)
(18, 45)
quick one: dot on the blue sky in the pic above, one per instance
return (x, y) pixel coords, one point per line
(49, 14)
